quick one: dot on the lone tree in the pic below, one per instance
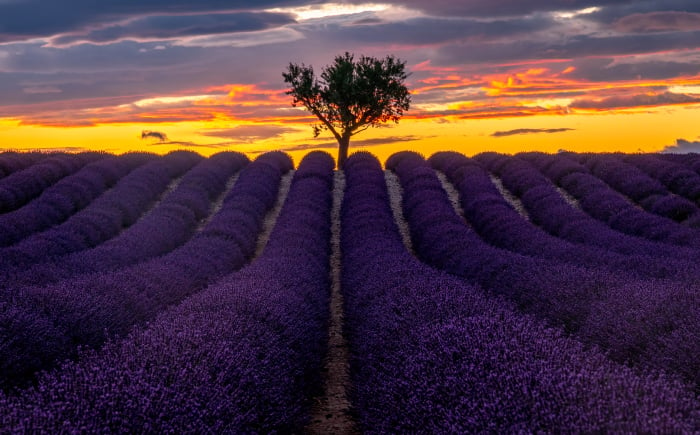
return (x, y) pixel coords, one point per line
(350, 96)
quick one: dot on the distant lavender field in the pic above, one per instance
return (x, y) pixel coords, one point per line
(438, 294)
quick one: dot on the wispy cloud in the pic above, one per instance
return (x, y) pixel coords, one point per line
(354, 144)
(175, 27)
(635, 101)
(658, 21)
(519, 131)
(250, 133)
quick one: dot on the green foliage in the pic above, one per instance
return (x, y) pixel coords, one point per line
(351, 96)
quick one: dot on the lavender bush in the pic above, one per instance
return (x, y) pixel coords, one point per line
(22, 186)
(603, 203)
(500, 225)
(165, 228)
(68, 196)
(433, 354)
(105, 217)
(676, 177)
(85, 311)
(242, 356)
(642, 189)
(11, 161)
(548, 209)
(590, 303)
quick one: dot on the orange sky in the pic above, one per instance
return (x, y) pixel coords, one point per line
(542, 77)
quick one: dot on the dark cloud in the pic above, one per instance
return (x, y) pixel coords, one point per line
(611, 70)
(519, 131)
(632, 101)
(160, 136)
(491, 8)
(683, 146)
(429, 30)
(577, 46)
(250, 133)
(166, 27)
(658, 21)
(26, 19)
(610, 13)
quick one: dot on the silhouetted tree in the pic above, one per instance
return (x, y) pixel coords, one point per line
(350, 96)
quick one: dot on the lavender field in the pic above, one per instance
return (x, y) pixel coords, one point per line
(503, 294)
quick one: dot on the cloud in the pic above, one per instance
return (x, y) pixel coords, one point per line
(41, 90)
(166, 27)
(490, 8)
(651, 67)
(519, 131)
(637, 100)
(353, 144)
(243, 39)
(683, 146)
(574, 46)
(250, 133)
(611, 13)
(658, 21)
(300, 147)
(28, 19)
(428, 30)
(385, 140)
(161, 137)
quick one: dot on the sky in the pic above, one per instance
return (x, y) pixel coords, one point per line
(485, 75)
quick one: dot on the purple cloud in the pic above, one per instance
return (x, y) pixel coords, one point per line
(166, 27)
(27, 19)
(250, 133)
(519, 131)
(683, 146)
(638, 100)
(659, 21)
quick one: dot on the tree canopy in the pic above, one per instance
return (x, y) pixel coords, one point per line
(350, 96)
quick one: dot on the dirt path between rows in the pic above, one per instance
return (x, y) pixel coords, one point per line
(271, 216)
(331, 413)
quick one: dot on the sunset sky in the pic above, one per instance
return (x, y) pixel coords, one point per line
(498, 75)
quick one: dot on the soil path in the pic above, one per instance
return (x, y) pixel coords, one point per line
(331, 413)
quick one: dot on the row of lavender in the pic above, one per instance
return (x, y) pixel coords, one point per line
(242, 355)
(117, 219)
(242, 351)
(445, 353)
(641, 309)
(50, 322)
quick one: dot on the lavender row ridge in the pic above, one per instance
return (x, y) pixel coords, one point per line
(68, 196)
(11, 161)
(170, 224)
(596, 305)
(105, 217)
(242, 356)
(610, 207)
(432, 353)
(49, 323)
(22, 186)
(497, 223)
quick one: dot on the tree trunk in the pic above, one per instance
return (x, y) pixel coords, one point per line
(343, 145)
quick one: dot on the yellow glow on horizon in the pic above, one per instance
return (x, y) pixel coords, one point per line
(647, 131)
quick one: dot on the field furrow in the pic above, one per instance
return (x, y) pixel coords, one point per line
(527, 293)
